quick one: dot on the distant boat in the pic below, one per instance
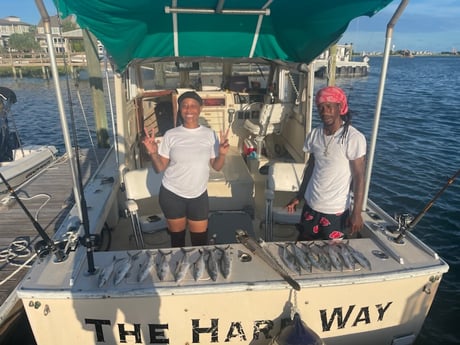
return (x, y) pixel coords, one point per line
(407, 53)
(17, 162)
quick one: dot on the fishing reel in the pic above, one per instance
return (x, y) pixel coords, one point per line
(404, 224)
(44, 248)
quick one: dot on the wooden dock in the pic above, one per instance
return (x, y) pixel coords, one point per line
(48, 198)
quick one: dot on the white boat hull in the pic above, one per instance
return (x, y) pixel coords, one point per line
(27, 162)
(249, 308)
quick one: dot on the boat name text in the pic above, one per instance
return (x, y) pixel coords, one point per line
(338, 318)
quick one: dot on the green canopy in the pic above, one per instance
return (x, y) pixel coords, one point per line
(289, 30)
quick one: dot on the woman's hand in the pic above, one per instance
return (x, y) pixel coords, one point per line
(224, 145)
(149, 142)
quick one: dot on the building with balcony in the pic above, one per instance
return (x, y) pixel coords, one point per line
(11, 25)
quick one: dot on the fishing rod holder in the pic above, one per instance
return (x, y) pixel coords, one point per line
(404, 221)
(91, 242)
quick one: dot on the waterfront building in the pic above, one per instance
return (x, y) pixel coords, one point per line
(11, 25)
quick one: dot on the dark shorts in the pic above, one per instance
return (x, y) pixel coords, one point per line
(175, 206)
(321, 226)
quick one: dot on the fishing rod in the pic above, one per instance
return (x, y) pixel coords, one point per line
(49, 244)
(414, 221)
(258, 250)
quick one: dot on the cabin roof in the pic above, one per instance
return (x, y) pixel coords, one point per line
(292, 31)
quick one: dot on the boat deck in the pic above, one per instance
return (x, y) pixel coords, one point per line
(48, 198)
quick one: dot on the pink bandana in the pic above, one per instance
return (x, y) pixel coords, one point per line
(333, 94)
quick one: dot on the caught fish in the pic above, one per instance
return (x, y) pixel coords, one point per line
(359, 257)
(182, 266)
(106, 272)
(346, 257)
(199, 266)
(212, 264)
(162, 264)
(146, 266)
(124, 267)
(312, 256)
(301, 258)
(225, 262)
(289, 259)
(324, 260)
(336, 260)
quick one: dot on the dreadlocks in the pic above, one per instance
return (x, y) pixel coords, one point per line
(347, 122)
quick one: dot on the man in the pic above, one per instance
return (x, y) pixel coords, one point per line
(335, 167)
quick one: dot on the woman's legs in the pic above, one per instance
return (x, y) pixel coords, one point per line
(176, 229)
(180, 212)
(198, 232)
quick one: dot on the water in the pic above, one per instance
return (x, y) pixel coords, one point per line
(417, 152)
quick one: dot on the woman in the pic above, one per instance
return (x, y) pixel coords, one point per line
(184, 155)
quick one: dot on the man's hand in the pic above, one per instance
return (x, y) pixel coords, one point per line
(292, 205)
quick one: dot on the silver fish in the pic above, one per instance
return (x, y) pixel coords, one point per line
(359, 257)
(183, 266)
(162, 264)
(225, 262)
(146, 266)
(212, 264)
(312, 256)
(106, 272)
(124, 268)
(324, 260)
(347, 257)
(301, 258)
(199, 266)
(289, 259)
(336, 260)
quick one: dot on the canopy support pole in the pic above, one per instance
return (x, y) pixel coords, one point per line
(74, 163)
(63, 118)
(256, 34)
(378, 105)
(174, 10)
(175, 30)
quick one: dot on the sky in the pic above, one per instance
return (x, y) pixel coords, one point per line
(425, 25)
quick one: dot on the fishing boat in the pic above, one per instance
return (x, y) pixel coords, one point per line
(18, 162)
(108, 275)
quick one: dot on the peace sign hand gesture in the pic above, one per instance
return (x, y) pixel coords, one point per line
(149, 142)
(224, 145)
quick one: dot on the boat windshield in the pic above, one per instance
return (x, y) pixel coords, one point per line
(206, 76)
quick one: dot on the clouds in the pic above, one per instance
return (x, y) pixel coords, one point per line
(424, 25)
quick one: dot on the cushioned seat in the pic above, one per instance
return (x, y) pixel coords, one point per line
(282, 177)
(142, 184)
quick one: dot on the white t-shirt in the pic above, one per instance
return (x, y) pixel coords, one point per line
(189, 152)
(328, 190)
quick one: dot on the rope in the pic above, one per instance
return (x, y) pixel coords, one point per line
(17, 250)
(8, 200)
(86, 123)
(25, 264)
(294, 86)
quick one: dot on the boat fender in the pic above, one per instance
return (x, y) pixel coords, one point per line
(297, 333)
